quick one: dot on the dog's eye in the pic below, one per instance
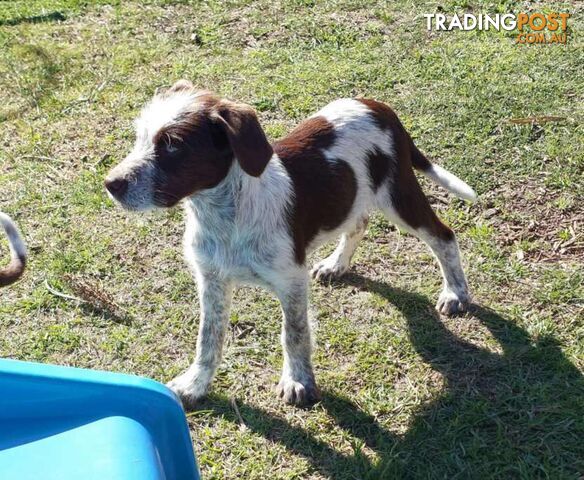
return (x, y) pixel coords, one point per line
(169, 146)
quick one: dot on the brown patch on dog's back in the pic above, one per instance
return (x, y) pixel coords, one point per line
(384, 116)
(324, 190)
(378, 166)
(407, 196)
(387, 119)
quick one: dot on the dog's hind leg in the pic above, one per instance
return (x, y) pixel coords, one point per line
(338, 262)
(405, 204)
(215, 300)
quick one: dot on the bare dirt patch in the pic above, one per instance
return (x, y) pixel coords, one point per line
(540, 224)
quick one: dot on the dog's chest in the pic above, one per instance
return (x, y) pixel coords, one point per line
(240, 253)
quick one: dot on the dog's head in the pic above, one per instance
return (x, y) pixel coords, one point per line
(186, 141)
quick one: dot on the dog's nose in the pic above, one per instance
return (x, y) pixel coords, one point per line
(116, 186)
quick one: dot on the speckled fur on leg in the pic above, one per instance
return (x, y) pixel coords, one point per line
(215, 301)
(297, 384)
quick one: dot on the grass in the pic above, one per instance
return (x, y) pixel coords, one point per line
(497, 393)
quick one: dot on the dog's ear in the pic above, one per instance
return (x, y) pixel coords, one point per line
(246, 137)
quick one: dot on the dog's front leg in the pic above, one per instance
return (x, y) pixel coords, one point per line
(297, 385)
(215, 300)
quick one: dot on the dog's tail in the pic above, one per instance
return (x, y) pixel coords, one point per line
(442, 176)
(17, 263)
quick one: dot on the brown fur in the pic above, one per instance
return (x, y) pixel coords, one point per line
(12, 272)
(407, 196)
(324, 191)
(206, 141)
(202, 159)
(246, 136)
(378, 166)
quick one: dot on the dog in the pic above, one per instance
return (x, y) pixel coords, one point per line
(15, 268)
(255, 210)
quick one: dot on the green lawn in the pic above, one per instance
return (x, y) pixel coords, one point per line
(497, 393)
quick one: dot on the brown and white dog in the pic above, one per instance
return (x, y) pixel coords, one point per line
(254, 210)
(15, 268)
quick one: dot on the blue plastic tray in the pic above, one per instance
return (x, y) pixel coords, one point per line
(59, 423)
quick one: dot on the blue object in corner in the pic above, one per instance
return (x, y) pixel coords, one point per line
(60, 423)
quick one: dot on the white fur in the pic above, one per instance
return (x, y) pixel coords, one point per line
(356, 135)
(238, 233)
(15, 241)
(245, 235)
(337, 263)
(159, 113)
(450, 182)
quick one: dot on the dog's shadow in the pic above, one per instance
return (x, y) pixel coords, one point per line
(512, 415)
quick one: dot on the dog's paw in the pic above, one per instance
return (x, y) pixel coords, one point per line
(451, 303)
(187, 390)
(297, 393)
(327, 270)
